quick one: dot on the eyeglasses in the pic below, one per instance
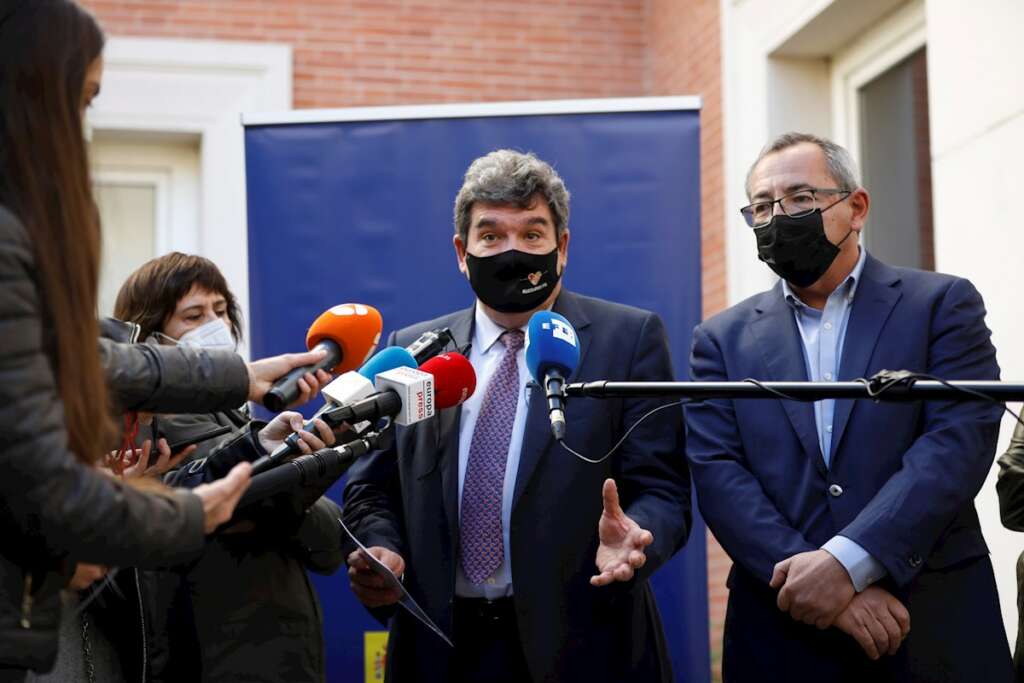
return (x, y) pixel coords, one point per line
(794, 205)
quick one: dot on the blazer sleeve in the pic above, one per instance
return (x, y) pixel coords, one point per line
(650, 468)
(44, 490)
(946, 465)
(735, 506)
(1010, 485)
(372, 507)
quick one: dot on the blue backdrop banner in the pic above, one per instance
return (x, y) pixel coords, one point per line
(358, 208)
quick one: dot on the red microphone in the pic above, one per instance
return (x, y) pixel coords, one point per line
(348, 332)
(454, 379)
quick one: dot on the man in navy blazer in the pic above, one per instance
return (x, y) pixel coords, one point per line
(497, 529)
(850, 523)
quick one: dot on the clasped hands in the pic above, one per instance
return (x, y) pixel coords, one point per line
(816, 589)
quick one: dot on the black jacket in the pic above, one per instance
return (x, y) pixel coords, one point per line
(54, 511)
(243, 610)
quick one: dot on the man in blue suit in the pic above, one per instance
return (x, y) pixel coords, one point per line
(856, 518)
(497, 529)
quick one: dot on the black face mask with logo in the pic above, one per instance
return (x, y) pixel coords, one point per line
(513, 281)
(797, 248)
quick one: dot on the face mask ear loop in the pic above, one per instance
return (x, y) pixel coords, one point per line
(848, 233)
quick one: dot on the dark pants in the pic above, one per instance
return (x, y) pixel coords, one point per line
(487, 646)
(956, 635)
(12, 675)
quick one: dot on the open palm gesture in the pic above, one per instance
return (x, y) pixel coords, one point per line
(621, 551)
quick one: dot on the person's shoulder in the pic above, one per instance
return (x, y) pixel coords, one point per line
(409, 334)
(603, 310)
(12, 231)
(915, 280)
(738, 315)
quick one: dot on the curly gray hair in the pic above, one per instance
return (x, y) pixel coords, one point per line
(510, 177)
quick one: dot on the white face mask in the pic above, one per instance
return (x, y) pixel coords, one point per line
(212, 335)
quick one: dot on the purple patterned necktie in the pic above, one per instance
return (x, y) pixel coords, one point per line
(483, 548)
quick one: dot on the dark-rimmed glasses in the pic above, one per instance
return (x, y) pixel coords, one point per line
(794, 205)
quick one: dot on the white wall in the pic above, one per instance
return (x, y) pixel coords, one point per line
(976, 91)
(157, 87)
(781, 58)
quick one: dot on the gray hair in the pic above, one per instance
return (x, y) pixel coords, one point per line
(840, 164)
(509, 177)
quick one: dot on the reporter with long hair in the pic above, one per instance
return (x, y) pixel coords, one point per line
(56, 508)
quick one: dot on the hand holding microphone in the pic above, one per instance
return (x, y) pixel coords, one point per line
(308, 437)
(404, 394)
(345, 336)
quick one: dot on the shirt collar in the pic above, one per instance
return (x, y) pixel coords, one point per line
(848, 287)
(485, 331)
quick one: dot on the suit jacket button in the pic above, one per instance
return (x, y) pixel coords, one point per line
(914, 561)
(835, 490)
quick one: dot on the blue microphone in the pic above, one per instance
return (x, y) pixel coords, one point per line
(552, 354)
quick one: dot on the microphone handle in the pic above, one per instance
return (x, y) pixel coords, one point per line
(285, 390)
(385, 403)
(326, 463)
(554, 389)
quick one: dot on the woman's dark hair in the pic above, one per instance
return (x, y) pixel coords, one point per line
(46, 47)
(151, 294)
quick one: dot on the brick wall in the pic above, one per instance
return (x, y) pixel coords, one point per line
(382, 52)
(686, 59)
(385, 52)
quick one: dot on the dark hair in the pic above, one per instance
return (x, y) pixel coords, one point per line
(150, 295)
(506, 176)
(46, 47)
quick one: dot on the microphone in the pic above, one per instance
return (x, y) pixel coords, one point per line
(552, 354)
(405, 394)
(410, 395)
(348, 332)
(347, 388)
(430, 344)
(325, 464)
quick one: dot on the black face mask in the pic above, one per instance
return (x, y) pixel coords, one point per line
(797, 248)
(513, 281)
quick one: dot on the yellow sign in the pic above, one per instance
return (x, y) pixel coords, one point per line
(375, 647)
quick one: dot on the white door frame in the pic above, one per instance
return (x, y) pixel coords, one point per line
(160, 87)
(872, 54)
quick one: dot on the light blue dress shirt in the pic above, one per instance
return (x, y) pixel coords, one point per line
(823, 334)
(485, 356)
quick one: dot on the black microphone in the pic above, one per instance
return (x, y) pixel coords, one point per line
(430, 344)
(327, 463)
(406, 394)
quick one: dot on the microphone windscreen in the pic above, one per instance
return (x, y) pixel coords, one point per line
(454, 379)
(551, 344)
(355, 328)
(387, 359)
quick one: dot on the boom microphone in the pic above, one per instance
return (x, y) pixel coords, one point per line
(552, 354)
(349, 333)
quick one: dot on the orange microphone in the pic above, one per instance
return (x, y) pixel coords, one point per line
(348, 332)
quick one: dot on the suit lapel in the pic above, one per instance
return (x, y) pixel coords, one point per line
(876, 296)
(447, 435)
(782, 350)
(537, 431)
